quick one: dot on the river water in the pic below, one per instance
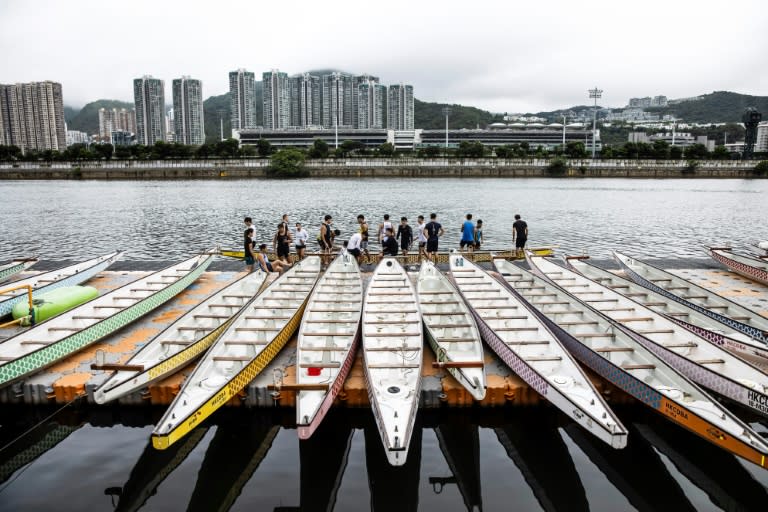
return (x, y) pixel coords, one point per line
(166, 220)
(469, 459)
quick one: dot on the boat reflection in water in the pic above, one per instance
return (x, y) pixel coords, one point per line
(633, 471)
(323, 459)
(392, 487)
(727, 483)
(460, 444)
(151, 469)
(534, 444)
(233, 455)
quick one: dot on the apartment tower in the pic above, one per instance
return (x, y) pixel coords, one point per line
(32, 116)
(369, 105)
(149, 98)
(277, 104)
(306, 103)
(242, 92)
(188, 111)
(400, 107)
(337, 100)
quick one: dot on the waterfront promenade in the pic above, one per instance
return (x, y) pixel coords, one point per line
(375, 167)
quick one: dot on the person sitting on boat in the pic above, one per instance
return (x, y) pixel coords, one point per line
(389, 243)
(262, 260)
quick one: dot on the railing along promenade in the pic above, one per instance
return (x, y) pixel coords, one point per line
(376, 167)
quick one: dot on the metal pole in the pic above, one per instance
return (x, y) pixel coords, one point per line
(336, 123)
(594, 93)
(446, 113)
(563, 133)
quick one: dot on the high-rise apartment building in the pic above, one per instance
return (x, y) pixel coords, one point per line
(149, 98)
(111, 119)
(306, 110)
(357, 81)
(338, 100)
(188, 111)
(32, 116)
(400, 107)
(277, 103)
(242, 92)
(371, 98)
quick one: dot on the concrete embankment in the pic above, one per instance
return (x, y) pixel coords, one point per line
(374, 167)
(73, 376)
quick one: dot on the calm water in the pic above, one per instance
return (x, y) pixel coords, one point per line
(519, 459)
(154, 220)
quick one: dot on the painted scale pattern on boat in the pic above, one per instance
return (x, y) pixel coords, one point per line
(48, 355)
(8, 272)
(237, 384)
(483, 256)
(720, 339)
(306, 431)
(750, 331)
(6, 306)
(742, 268)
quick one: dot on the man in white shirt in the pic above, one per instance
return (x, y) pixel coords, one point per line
(354, 245)
(420, 225)
(300, 238)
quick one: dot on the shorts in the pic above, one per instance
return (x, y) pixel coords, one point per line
(283, 250)
(300, 247)
(269, 267)
(520, 243)
(464, 243)
(432, 245)
(477, 245)
(422, 244)
(249, 260)
(405, 246)
(354, 252)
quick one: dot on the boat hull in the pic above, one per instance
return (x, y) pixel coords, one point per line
(741, 265)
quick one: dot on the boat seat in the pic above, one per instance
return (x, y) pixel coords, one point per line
(392, 349)
(211, 316)
(443, 313)
(394, 366)
(458, 340)
(443, 293)
(391, 334)
(90, 317)
(585, 322)
(530, 288)
(328, 321)
(716, 307)
(549, 302)
(324, 349)
(191, 328)
(638, 366)
(651, 304)
(636, 294)
(339, 310)
(634, 319)
(259, 329)
(449, 326)
(696, 297)
(709, 361)
(437, 303)
(390, 322)
(601, 300)
(677, 288)
(462, 270)
(329, 334)
(338, 301)
(530, 342)
(678, 314)
(595, 335)
(263, 317)
(542, 358)
(267, 306)
(62, 328)
(661, 279)
(145, 289)
(655, 331)
(127, 298)
(740, 317)
(614, 349)
(513, 329)
(615, 286)
(32, 342)
(563, 312)
(497, 307)
(176, 342)
(388, 293)
(237, 296)
(233, 358)
(108, 307)
(225, 305)
(329, 364)
(246, 342)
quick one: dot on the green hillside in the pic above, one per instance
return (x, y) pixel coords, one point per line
(717, 107)
(87, 119)
(429, 116)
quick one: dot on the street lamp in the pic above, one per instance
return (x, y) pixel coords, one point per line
(221, 122)
(446, 113)
(596, 94)
(563, 133)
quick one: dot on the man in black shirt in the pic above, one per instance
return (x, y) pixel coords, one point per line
(519, 235)
(389, 243)
(433, 231)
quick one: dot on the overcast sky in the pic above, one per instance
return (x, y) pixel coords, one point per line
(503, 56)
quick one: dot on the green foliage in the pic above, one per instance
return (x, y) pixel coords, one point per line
(761, 169)
(429, 152)
(211, 108)
(471, 149)
(721, 153)
(690, 167)
(661, 149)
(717, 107)
(557, 167)
(429, 116)
(695, 151)
(349, 147)
(675, 153)
(10, 153)
(87, 119)
(576, 150)
(386, 149)
(319, 149)
(104, 151)
(264, 147)
(287, 163)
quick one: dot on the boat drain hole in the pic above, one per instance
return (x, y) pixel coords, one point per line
(393, 389)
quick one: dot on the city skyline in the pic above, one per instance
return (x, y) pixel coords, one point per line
(501, 57)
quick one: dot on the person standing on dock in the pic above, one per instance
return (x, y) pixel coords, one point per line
(250, 227)
(478, 234)
(420, 225)
(405, 235)
(282, 242)
(467, 234)
(325, 239)
(519, 235)
(383, 227)
(284, 222)
(389, 243)
(300, 240)
(433, 231)
(248, 246)
(363, 230)
(355, 246)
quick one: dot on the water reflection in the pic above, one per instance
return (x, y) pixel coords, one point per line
(535, 446)
(636, 471)
(237, 461)
(460, 444)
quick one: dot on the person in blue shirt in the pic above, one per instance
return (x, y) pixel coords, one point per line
(468, 234)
